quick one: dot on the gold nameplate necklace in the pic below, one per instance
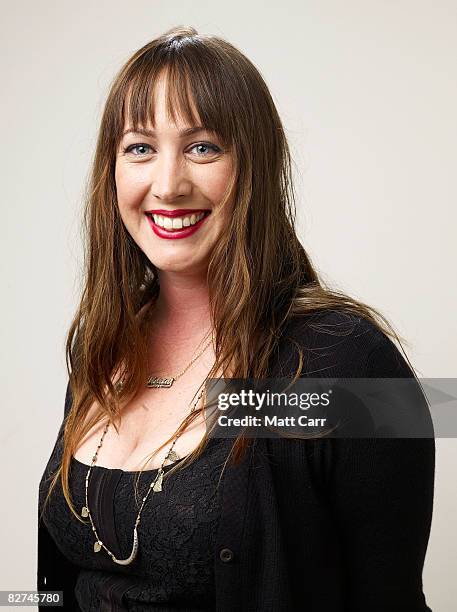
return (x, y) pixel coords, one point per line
(166, 382)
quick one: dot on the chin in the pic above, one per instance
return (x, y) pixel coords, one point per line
(179, 265)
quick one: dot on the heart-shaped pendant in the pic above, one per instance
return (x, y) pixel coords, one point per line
(84, 512)
(97, 547)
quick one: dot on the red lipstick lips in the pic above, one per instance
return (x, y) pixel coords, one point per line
(175, 233)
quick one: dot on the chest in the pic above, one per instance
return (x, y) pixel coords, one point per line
(147, 422)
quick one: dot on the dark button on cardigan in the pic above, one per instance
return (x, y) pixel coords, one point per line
(226, 555)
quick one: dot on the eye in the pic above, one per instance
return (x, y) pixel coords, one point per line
(132, 147)
(204, 149)
(205, 145)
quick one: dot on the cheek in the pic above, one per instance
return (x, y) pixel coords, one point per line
(131, 187)
(215, 182)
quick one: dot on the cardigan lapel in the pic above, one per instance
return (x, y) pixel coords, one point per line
(238, 481)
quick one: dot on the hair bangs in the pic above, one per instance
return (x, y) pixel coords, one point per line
(189, 97)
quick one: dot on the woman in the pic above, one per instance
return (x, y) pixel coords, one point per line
(194, 271)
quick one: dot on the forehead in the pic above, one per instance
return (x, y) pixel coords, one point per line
(164, 106)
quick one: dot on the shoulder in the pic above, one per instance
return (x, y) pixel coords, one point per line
(341, 344)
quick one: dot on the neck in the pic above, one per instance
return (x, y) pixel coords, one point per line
(183, 301)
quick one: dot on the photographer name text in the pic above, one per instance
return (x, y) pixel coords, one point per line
(270, 421)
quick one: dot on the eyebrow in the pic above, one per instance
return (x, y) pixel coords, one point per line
(151, 133)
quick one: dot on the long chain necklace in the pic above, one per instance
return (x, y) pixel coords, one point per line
(155, 486)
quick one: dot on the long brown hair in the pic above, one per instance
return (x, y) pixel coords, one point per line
(259, 273)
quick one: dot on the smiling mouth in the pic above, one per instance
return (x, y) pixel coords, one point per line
(175, 224)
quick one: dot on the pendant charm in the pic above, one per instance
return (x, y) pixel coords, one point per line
(173, 456)
(84, 512)
(157, 382)
(97, 547)
(158, 483)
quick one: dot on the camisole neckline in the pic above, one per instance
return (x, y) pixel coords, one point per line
(86, 466)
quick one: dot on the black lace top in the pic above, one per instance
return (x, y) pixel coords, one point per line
(174, 567)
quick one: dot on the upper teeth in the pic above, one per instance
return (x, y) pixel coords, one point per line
(177, 222)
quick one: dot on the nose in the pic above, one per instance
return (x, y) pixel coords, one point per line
(170, 178)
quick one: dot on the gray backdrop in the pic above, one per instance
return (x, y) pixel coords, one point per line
(367, 92)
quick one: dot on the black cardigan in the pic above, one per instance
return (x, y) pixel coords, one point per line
(330, 525)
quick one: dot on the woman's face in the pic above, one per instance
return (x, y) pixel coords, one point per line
(169, 186)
